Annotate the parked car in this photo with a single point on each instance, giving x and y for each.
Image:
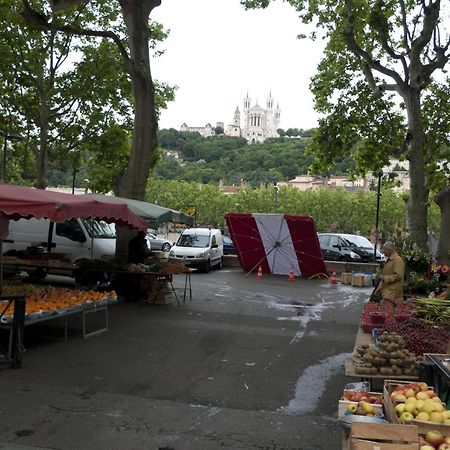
(228, 246)
(347, 247)
(200, 248)
(156, 243)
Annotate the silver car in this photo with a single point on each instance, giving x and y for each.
(158, 244)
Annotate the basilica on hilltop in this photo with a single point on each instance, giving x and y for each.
(255, 124)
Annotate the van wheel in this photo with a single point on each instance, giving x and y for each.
(219, 264)
(37, 275)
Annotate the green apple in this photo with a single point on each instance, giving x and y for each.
(423, 416)
(405, 417)
(422, 395)
(352, 408)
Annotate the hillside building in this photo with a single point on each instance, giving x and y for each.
(258, 123)
(206, 131)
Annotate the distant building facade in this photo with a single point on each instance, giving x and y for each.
(258, 123)
(206, 131)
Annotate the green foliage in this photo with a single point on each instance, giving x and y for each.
(107, 158)
(232, 160)
(332, 210)
(64, 91)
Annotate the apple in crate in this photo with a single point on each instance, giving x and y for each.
(444, 446)
(406, 417)
(434, 437)
(352, 408)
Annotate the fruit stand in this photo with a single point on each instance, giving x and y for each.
(48, 303)
(151, 282)
(404, 346)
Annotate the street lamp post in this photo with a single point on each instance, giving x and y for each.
(8, 137)
(380, 174)
(275, 197)
(73, 180)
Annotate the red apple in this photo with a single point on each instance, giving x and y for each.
(444, 446)
(414, 386)
(447, 439)
(434, 437)
(423, 441)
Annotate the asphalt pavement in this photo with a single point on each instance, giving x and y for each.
(245, 364)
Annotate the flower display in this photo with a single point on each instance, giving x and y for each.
(417, 260)
(440, 269)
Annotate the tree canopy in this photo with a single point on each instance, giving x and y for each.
(376, 48)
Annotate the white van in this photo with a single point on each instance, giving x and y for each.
(80, 238)
(201, 248)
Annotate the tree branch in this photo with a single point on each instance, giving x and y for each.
(431, 18)
(406, 34)
(41, 21)
(371, 64)
(439, 63)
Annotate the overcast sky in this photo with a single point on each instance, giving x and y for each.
(217, 51)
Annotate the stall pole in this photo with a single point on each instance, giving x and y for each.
(18, 331)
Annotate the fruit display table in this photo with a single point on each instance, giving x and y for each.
(47, 303)
(367, 340)
(137, 282)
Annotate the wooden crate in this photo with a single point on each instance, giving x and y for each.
(377, 436)
(391, 416)
(346, 278)
(358, 280)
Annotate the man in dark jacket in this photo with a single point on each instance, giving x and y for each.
(138, 249)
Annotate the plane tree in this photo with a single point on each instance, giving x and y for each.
(375, 48)
(133, 39)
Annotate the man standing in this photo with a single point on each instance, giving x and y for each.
(391, 285)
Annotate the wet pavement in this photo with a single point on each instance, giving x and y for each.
(245, 364)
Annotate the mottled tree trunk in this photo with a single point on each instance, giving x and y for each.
(136, 16)
(417, 202)
(443, 251)
(42, 150)
(134, 182)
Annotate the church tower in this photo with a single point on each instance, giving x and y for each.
(247, 101)
(237, 118)
(234, 129)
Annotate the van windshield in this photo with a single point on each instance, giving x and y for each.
(357, 241)
(193, 240)
(98, 229)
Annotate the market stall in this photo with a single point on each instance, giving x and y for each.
(154, 214)
(405, 347)
(18, 202)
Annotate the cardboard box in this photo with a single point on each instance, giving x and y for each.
(374, 436)
(346, 278)
(358, 280)
(343, 404)
(391, 416)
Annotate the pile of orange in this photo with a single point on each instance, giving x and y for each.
(59, 298)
